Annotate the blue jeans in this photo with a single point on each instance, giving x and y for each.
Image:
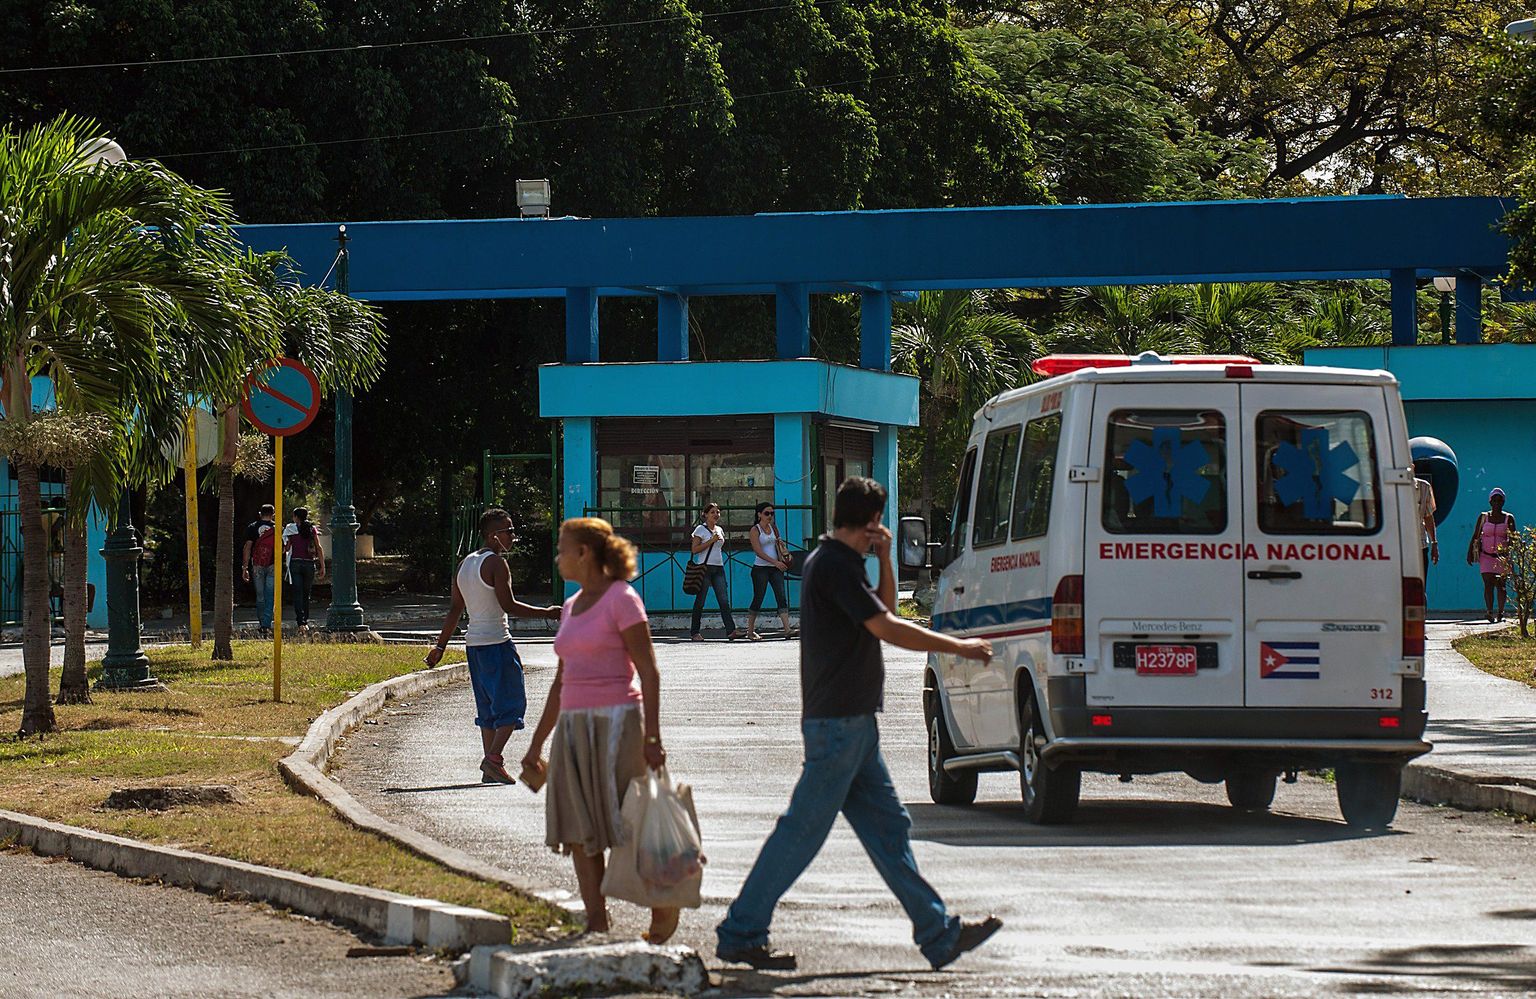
(714, 577)
(261, 579)
(302, 572)
(845, 772)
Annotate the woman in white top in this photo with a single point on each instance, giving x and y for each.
(767, 570)
(707, 547)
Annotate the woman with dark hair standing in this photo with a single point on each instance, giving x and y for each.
(602, 717)
(1489, 549)
(767, 570)
(707, 547)
(306, 562)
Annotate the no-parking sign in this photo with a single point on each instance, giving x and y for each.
(282, 398)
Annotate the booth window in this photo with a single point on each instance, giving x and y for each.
(654, 475)
(845, 451)
(1317, 473)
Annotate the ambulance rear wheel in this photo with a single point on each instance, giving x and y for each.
(1251, 790)
(1050, 794)
(945, 787)
(1368, 793)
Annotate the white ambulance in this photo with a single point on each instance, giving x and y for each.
(1194, 564)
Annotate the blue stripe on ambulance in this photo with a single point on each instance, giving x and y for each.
(994, 615)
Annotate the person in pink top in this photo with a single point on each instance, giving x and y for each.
(602, 718)
(1488, 550)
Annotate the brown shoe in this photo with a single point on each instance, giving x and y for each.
(972, 935)
(492, 772)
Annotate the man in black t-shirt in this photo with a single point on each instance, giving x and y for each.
(842, 685)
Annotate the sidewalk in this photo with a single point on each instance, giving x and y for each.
(1483, 727)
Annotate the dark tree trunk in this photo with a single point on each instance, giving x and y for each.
(36, 630)
(73, 688)
(224, 547)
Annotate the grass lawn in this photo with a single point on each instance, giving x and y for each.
(216, 724)
(1502, 655)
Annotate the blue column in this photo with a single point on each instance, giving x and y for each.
(1469, 308)
(1405, 312)
(671, 327)
(875, 330)
(578, 460)
(580, 325)
(792, 474)
(96, 567)
(885, 472)
(792, 317)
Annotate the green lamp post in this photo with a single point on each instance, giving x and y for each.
(125, 666)
(345, 613)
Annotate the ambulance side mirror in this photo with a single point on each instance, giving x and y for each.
(912, 543)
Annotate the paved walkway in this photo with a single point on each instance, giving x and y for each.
(1478, 722)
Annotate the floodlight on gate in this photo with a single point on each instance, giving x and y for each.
(533, 198)
(1445, 284)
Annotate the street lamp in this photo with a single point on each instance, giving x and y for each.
(533, 199)
(125, 666)
(1445, 286)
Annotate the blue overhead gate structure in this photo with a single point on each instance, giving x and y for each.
(780, 414)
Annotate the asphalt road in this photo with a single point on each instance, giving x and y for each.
(1158, 889)
(77, 932)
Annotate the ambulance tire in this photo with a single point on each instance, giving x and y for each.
(1368, 793)
(945, 787)
(1251, 790)
(1049, 794)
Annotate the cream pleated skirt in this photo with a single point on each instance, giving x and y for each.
(593, 755)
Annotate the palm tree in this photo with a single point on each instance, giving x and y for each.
(1125, 320)
(964, 352)
(339, 338)
(93, 267)
(1340, 317)
(1248, 319)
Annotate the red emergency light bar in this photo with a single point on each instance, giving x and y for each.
(1063, 364)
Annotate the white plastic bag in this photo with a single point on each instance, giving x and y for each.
(621, 878)
(668, 852)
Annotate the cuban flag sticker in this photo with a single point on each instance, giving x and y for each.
(1290, 660)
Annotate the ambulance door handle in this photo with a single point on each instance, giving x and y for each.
(1273, 574)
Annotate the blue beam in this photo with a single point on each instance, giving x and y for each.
(1030, 246)
(792, 318)
(1469, 308)
(671, 327)
(1405, 308)
(580, 325)
(875, 330)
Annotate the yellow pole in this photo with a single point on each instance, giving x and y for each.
(194, 568)
(277, 576)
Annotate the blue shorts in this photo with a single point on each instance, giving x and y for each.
(496, 673)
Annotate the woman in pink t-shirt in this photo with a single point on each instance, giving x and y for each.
(601, 718)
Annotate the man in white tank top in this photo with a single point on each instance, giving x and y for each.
(482, 586)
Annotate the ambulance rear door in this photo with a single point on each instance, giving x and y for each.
(1163, 571)
(1324, 596)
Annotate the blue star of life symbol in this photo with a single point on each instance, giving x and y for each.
(1166, 471)
(1314, 474)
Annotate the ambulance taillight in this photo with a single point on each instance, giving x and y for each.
(1413, 617)
(1067, 617)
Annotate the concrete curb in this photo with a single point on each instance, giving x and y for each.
(511, 974)
(399, 919)
(1472, 791)
(304, 770)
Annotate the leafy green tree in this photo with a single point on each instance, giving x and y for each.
(1509, 113)
(94, 270)
(1125, 320)
(1104, 129)
(964, 352)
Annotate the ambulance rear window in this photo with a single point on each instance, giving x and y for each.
(1317, 473)
(1166, 472)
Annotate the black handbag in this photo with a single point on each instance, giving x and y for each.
(693, 572)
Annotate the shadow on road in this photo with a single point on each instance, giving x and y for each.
(1490, 735)
(1505, 966)
(1125, 823)
(744, 982)
(439, 787)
